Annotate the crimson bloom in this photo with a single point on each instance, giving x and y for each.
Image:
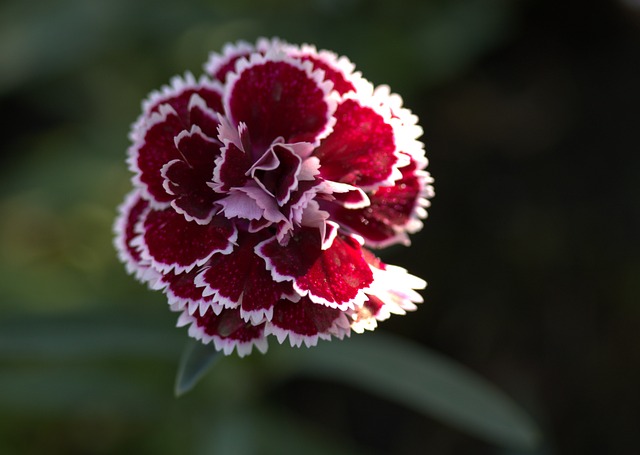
(260, 189)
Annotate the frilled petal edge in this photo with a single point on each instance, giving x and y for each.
(169, 242)
(336, 277)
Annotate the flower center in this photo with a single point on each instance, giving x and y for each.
(277, 172)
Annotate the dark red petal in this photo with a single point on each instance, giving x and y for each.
(339, 274)
(334, 277)
(365, 223)
(228, 65)
(219, 65)
(354, 198)
(340, 83)
(188, 177)
(279, 174)
(231, 169)
(304, 187)
(360, 150)
(229, 325)
(242, 276)
(130, 213)
(278, 98)
(391, 208)
(181, 287)
(156, 149)
(395, 204)
(258, 225)
(171, 242)
(287, 173)
(304, 317)
(227, 330)
(204, 116)
(185, 103)
(194, 198)
(179, 98)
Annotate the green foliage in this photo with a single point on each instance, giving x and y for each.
(420, 379)
(399, 371)
(196, 359)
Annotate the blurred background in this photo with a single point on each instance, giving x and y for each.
(531, 116)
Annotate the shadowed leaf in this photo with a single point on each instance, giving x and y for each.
(420, 379)
(196, 360)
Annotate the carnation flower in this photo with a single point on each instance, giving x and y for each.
(260, 190)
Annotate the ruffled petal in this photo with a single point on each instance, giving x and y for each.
(306, 322)
(405, 123)
(172, 243)
(231, 169)
(277, 96)
(361, 150)
(130, 213)
(178, 94)
(227, 331)
(187, 178)
(338, 70)
(393, 291)
(336, 277)
(220, 64)
(186, 102)
(393, 212)
(240, 280)
(203, 116)
(153, 151)
(348, 196)
(277, 172)
(183, 294)
(366, 316)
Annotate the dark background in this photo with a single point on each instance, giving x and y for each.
(530, 111)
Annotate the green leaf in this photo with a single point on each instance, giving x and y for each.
(420, 379)
(196, 360)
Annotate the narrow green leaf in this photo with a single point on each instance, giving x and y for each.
(196, 360)
(420, 379)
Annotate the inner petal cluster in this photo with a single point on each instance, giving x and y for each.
(260, 189)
